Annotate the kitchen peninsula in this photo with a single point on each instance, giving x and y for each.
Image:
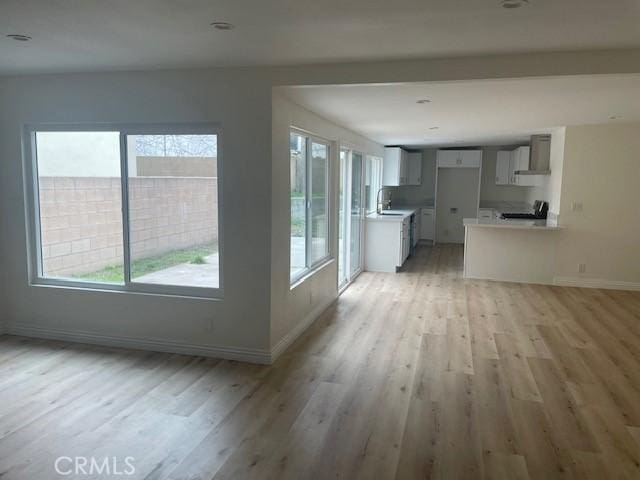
(510, 250)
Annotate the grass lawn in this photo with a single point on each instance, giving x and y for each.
(143, 266)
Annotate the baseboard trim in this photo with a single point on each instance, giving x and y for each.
(286, 341)
(156, 345)
(508, 280)
(595, 283)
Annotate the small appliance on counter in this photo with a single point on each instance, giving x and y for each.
(540, 210)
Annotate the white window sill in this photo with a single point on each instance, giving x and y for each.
(195, 293)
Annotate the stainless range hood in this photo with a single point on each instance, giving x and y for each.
(540, 156)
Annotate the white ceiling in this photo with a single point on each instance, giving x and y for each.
(480, 112)
(83, 35)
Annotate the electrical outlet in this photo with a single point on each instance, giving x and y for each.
(582, 267)
(576, 206)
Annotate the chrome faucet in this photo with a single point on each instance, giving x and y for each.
(382, 205)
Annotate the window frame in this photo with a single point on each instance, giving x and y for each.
(319, 263)
(33, 217)
(378, 159)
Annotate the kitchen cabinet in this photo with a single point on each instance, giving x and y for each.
(519, 161)
(401, 167)
(508, 163)
(459, 158)
(395, 167)
(414, 168)
(405, 241)
(388, 242)
(503, 171)
(427, 223)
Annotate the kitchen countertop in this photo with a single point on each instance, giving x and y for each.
(400, 215)
(516, 224)
(401, 211)
(508, 207)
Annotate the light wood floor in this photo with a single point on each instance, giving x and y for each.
(414, 375)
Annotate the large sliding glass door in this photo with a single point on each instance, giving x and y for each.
(356, 218)
(351, 216)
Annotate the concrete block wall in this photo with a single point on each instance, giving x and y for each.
(168, 213)
(81, 224)
(176, 166)
(81, 219)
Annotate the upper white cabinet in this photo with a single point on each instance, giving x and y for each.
(394, 167)
(401, 167)
(459, 158)
(509, 163)
(519, 161)
(414, 175)
(503, 170)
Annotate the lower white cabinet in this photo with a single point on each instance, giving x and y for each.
(427, 223)
(405, 241)
(388, 243)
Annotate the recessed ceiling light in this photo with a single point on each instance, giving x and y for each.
(513, 3)
(423, 101)
(222, 26)
(18, 37)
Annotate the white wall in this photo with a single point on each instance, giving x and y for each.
(291, 309)
(241, 104)
(601, 171)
